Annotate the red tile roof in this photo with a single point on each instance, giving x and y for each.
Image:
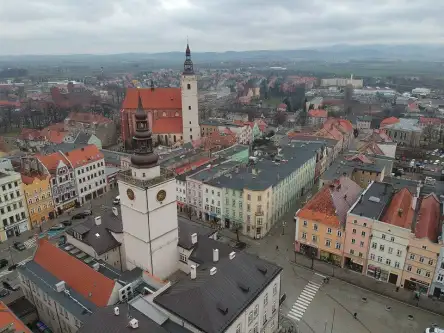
(84, 155)
(330, 205)
(400, 212)
(7, 317)
(51, 161)
(157, 98)
(167, 125)
(54, 136)
(84, 117)
(427, 223)
(432, 121)
(318, 113)
(9, 103)
(190, 166)
(389, 121)
(27, 180)
(91, 284)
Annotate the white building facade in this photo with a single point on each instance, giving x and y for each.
(14, 215)
(89, 172)
(387, 252)
(213, 202)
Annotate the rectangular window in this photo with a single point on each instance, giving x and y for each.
(388, 262)
(374, 245)
(409, 268)
(339, 233)
(305, 223)
(396, 264)
(363, 233)
(354, 231)
(353, 241)
(431, 262)
(381, 247)
(412, 256)
(398, 253)
(327, 242)
(372, 256)
(315, 227)
(361, 244)
(314, 238)
(338, 246)
(304, 235)
(421, 259)
(328, 230)
(390, 250)
(383, 236)
(379, 259)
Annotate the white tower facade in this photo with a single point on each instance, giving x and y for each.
(190, 106)
(148, 206)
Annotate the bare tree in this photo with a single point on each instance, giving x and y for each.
(428, 134)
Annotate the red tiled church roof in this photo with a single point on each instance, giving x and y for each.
(157, 98)
(167, 125)
(84, 155)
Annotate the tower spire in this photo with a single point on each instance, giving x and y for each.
(143, 153)
(188, 64)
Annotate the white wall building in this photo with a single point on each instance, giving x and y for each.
(13, 212)
(387, 252)
(190, 107)
(88, 164)
(148, 205)
(213, 202)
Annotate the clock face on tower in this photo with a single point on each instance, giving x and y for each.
(161, 195)
(130, 194)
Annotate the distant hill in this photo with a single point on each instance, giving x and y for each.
(335, 53)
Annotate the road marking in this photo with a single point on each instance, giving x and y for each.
(322, 276)
(30, 243)
(303, 302)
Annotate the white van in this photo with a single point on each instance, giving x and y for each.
(117, 200)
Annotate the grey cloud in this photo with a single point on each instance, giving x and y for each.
(118, 26)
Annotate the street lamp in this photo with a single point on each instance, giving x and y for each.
(283, 227)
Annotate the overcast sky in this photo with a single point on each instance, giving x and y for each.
(120, 26)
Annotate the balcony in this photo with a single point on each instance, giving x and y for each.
(127, 177)
(259, 213)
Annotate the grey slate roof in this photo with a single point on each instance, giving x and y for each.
(203, 250)
(269, 172)
(200, 301)
(105, 241)
(46, 281)
(105, 321)
(82, 138)
(399, 183)
(187, 228)
(63, 147)
(369, 207)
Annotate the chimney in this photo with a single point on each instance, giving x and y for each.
(115, 211)
(213, 271)
(60, 286)
(134, 323)
(98, 220)
(232, 255)
(194, 238)
(116, 311)
(193, 272)
(215, 255)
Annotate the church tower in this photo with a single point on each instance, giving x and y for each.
(148, 205)
(190, 108)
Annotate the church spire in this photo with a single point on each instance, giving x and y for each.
(144, 156)
(188, 64)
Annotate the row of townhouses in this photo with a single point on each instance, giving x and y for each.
(251, 194)
(47, 185)
(142, 268)
(392, 235)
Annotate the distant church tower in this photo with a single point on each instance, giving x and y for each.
(148, 206)
(190, 108)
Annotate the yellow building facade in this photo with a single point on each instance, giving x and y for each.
(38, 196)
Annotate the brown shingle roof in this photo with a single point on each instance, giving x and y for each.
(427, 223)
(400, 212)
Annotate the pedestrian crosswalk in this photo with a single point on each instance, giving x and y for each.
(30, 243)
(304, 300)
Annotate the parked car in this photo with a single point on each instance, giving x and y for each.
(19, 246)
(67, 223)
(78, 216)
(12, 285)
(3, 263)
(117, 200)
(57, 227)
(12, 267)
(87, 212)
(4, 292)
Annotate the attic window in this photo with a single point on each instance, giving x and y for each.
(243, 287)
(374, 199)
(222, 308)
(262, 269)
